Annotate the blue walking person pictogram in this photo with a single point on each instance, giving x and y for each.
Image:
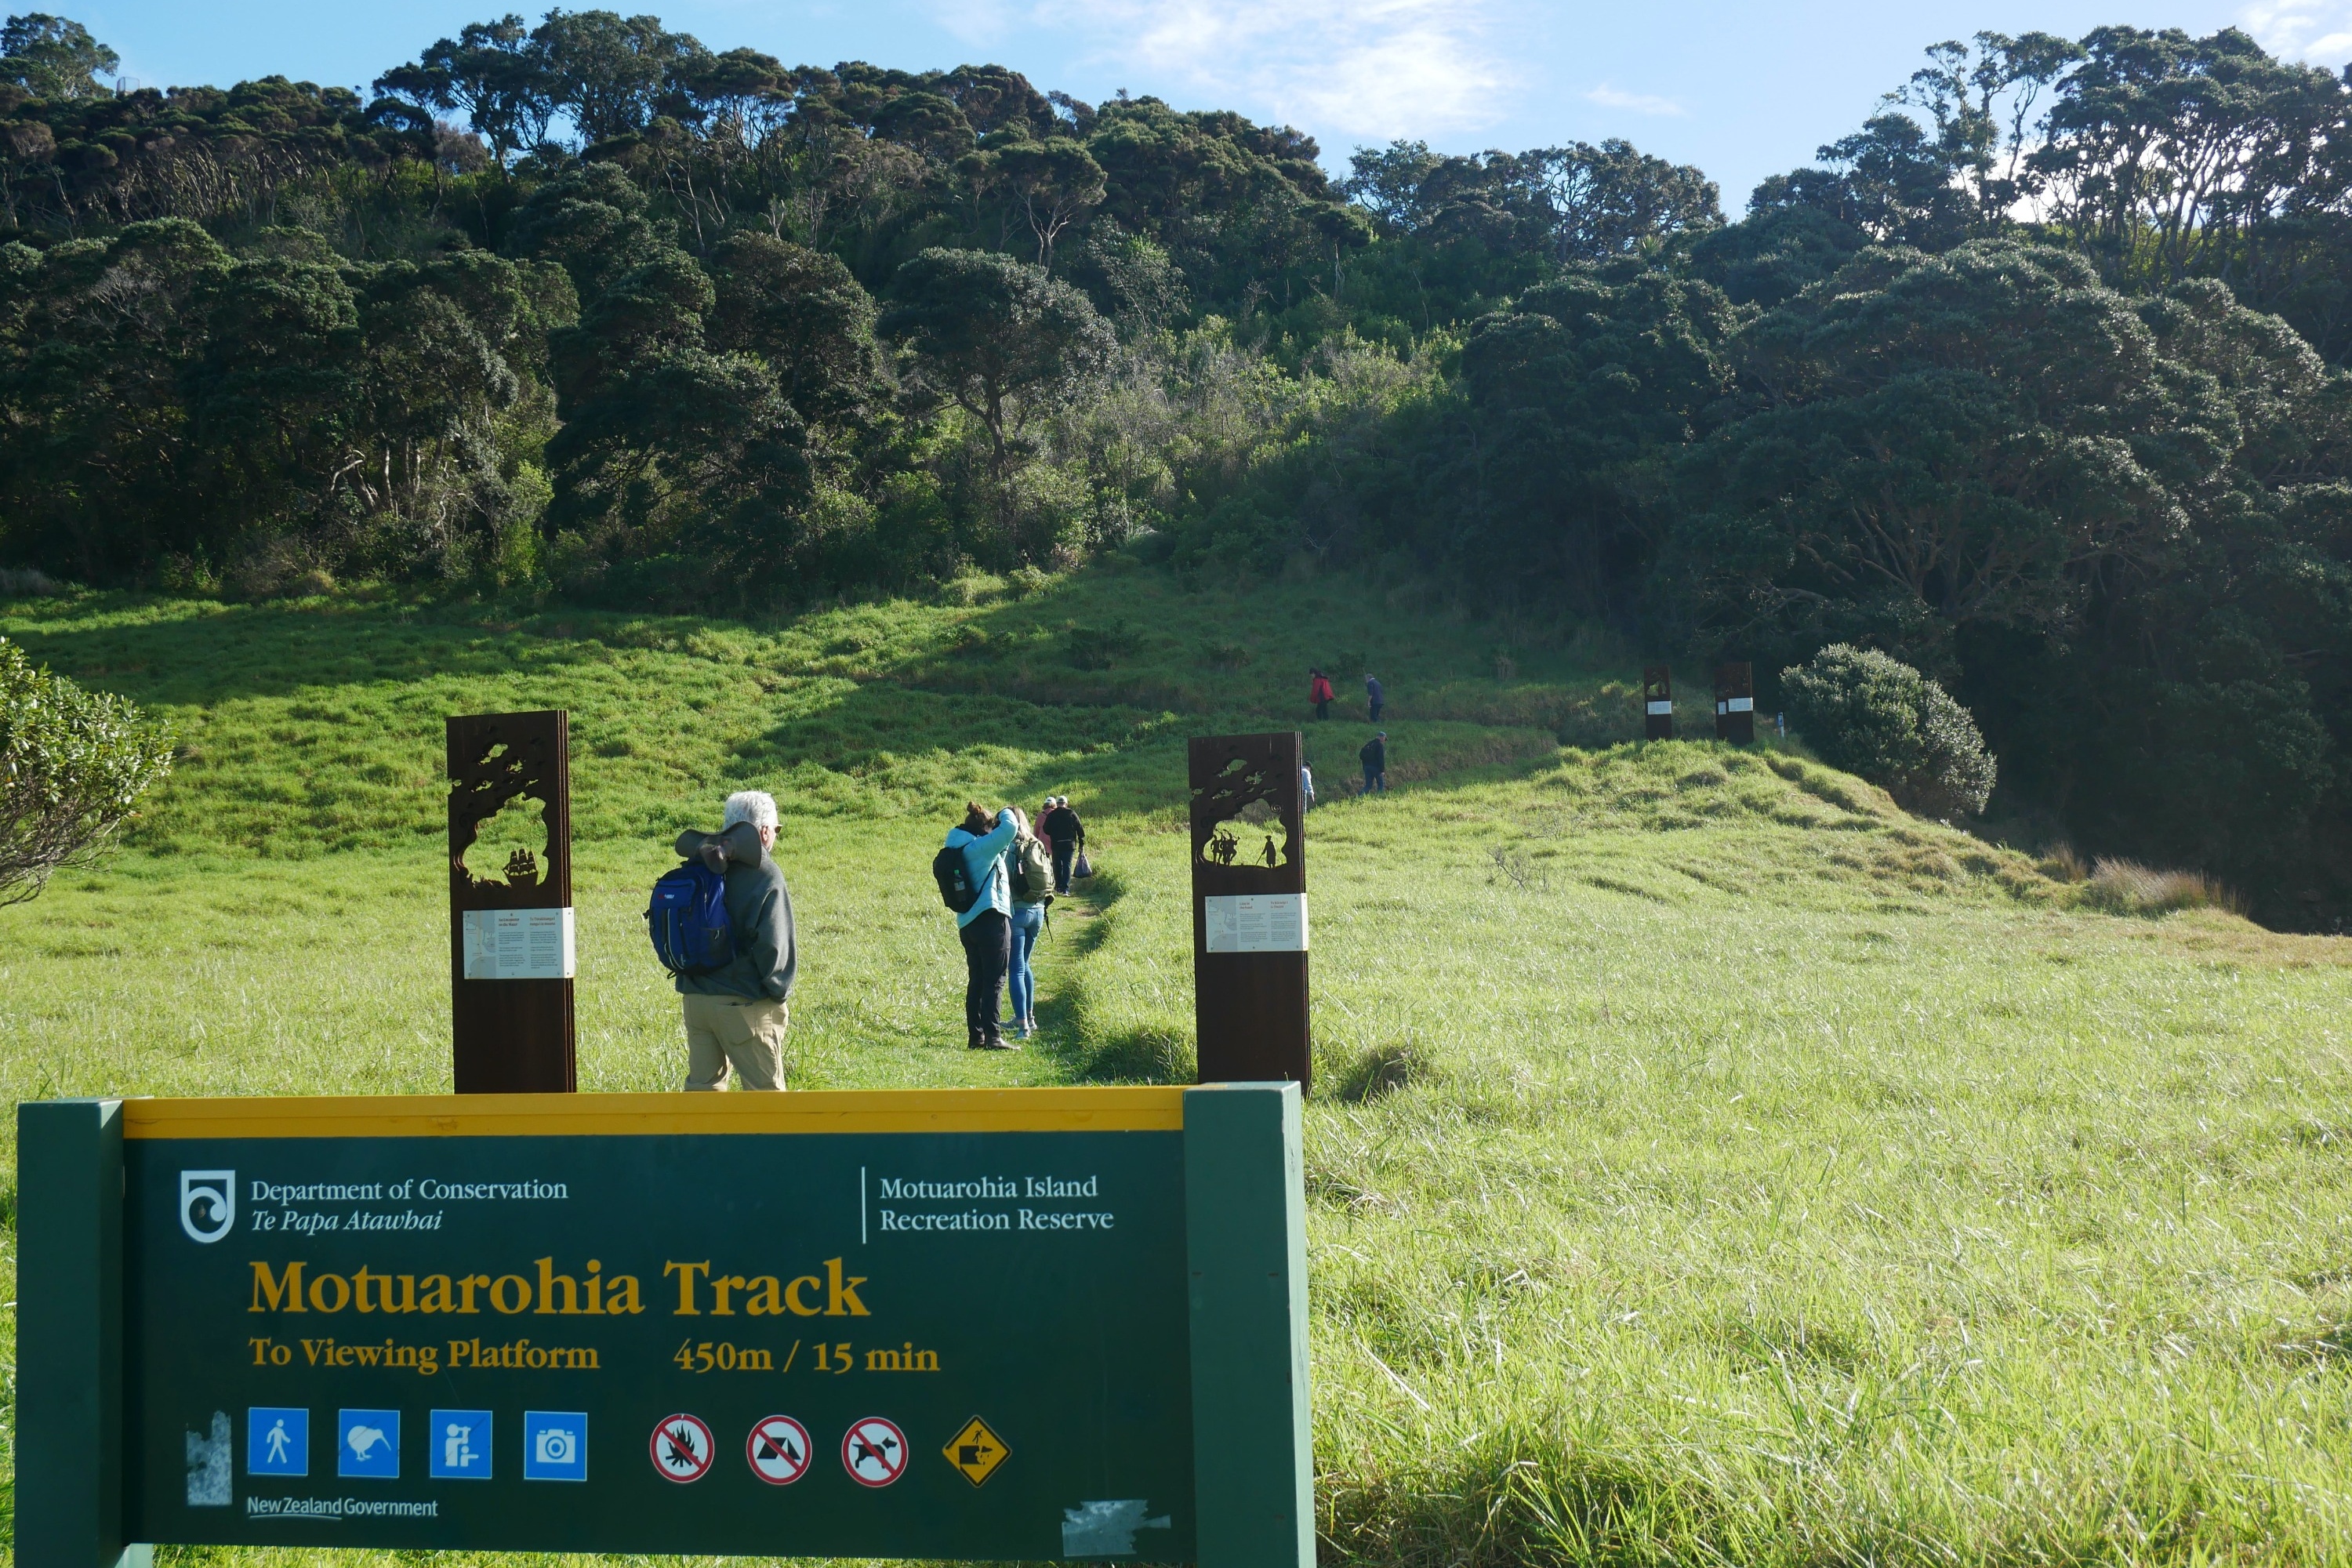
(277, 1441)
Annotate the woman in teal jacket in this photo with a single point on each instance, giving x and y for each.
(986, 927)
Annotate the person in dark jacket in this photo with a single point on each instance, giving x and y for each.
(1067, 835)
(1374, 698)
(986, 928)
(1319, 692)
(1375, 756)
(737, 1016)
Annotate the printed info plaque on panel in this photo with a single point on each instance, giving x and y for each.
(1257, 922)
(891, 1334)
(519, 944)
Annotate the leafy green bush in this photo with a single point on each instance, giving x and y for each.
(72, 763)
(1878, 717)
(1099, 648)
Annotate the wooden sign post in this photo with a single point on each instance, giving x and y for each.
(510, 934)
(1658, 702)
(1249, 909)
(1734, 703)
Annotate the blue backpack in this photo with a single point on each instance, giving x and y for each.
(688, 920)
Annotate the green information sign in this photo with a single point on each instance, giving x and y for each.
(1045, 1324)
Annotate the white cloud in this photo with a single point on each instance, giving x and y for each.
(981, 22)
(2318, 31)
(1607, 97)
(1373, 68)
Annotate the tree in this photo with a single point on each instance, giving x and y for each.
(995, 335)
(1613, 199)
(493, 74)
(1566, 395)
(800, 312)
(1966, 439)
(1056, 182)
(1888, 180)
(52, 57)
(730, 95)
(2165, 152)
(1577, 203)
(1386, 183)
(73, 763)
(678, 472)
(1981, 100)
(609, 71)
(97, 472)
(2122, 529)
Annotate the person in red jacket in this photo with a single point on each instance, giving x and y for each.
(1319, 692)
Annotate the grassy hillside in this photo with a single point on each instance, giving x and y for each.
(1709, 1163)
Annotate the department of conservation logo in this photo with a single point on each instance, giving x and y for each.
(207, 1204)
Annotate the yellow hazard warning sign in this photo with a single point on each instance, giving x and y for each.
(975, 1451)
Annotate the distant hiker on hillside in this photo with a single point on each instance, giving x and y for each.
(1067, 835)
(737, 1014)
(1374, 698)
(1319, 692)
(1032, 866)
(1376, 763)
(976, 883)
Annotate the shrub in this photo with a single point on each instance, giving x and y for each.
(72, 763)
(28, 583)
(1099, 648)
(2128, 887)
(1878, 717)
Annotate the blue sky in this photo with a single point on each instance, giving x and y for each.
(1742, 89)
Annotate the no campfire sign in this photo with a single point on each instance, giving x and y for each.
(1048, 1323)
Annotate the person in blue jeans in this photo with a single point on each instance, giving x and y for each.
(1030, 868)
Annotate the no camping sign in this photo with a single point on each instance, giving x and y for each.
(973, 1324)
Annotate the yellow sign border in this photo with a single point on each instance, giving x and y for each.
(1148, 1108)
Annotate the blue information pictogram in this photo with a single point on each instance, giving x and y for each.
(367, 1444)
(277, 1441)
(554, 1446)
(457, 1446)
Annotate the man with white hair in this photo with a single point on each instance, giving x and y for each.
(736, 1015)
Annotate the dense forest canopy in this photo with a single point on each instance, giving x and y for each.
(2035, 380)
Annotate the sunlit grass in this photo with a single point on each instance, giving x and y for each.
(1709, 1163)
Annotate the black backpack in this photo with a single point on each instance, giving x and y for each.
(954, 879)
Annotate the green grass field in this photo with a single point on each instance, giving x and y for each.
(1708, 1163)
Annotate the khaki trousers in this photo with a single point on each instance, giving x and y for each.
(724, 1029)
